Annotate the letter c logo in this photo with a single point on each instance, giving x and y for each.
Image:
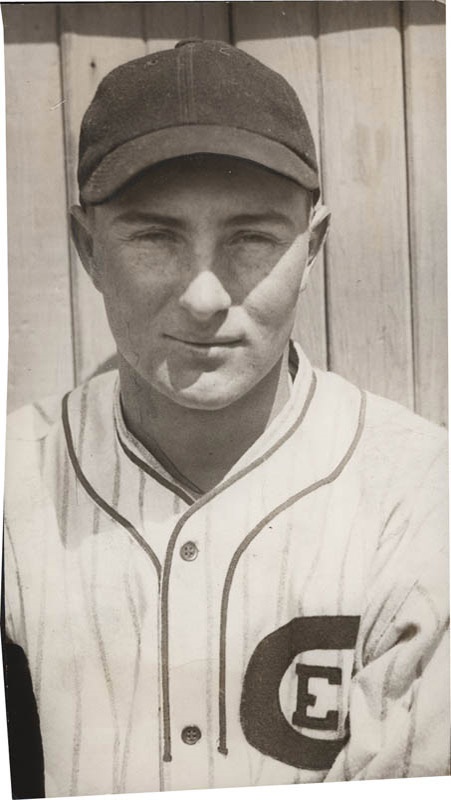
(263, 722)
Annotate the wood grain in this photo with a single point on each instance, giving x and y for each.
(425, 69)
(40, 343)
(95, 37)
(386, 318)
(364, 175)
(283, 36)
(168, 23)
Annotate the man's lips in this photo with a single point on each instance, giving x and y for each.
(228, 341)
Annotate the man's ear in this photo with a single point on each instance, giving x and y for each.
(318, 230)
(81, 230)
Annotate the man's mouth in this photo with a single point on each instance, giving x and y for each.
(206, 343)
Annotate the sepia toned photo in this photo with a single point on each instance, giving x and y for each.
(225, 550)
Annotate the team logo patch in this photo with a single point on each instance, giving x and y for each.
(271, 723)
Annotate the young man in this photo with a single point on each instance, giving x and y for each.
(224, 567)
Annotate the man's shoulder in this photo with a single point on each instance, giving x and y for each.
(391, 434)
(381, 413)
(33, 422)
(394, 418)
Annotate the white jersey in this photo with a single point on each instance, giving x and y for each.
(287, 626)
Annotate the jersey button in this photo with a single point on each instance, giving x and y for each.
(191, 734)
(189, 551)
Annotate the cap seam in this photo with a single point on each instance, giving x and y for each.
(190, 84)
(180, 88)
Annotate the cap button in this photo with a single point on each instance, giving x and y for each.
(183, 42)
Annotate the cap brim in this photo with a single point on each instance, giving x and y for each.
(137, 155)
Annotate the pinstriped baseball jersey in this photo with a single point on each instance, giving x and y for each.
(287, 626)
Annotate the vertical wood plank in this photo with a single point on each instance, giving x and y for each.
(364, 173)
(168, 23)
(283, 36)
(425, 69)
(40, 346)
(95, 37)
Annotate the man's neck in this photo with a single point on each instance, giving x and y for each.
(202, 445)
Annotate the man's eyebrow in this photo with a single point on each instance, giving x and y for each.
(265, 216)
(145, 218)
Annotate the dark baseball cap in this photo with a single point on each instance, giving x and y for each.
(199, 97)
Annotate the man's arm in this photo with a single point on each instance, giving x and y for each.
(399, 700)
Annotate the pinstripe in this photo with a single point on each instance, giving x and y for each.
(102, 651)
(41, 629)
(137, 629)
(99, 501)
(382, 537)
(407, 760)
(42, 413)
(171, 546)
(142, 485)
(384, 695)
(19, 585)
(341, 581)
(312, 571)
(117, 478)
(283, 574)
(394, 611)
(64, 494)
(209, 571)
(77, 733)
(83, 418)
(346, 766)
(41, 445)
(246, 597)
(43, 598)
(246, 616)
(333, 475)
(431, 605)
(340, 658)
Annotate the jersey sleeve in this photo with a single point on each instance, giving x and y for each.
(12, 618)
(26, 432)
(399, 712)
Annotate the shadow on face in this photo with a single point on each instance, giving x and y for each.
(200, 261)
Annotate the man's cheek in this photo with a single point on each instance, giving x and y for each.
(273, 302)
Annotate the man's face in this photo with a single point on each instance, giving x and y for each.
(200, 263)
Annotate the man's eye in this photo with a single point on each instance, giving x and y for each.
(254, 237)
(155, 235)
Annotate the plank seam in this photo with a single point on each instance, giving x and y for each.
(70, 265)
(412, 288)
(230, 22)
(321, 128)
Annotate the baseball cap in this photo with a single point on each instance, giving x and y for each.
(201, 96)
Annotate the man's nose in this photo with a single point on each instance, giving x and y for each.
(205, 296)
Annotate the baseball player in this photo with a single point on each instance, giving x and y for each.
(222, 566)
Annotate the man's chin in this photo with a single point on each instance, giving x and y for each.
(206, 395)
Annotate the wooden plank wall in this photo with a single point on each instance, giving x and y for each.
(371, 76)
